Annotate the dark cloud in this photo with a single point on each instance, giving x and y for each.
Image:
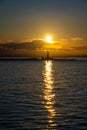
(38, 48)
(20, 49)
(24, 45)
(80, 47)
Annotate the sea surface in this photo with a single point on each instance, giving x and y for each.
(43, 95)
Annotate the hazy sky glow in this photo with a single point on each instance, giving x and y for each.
(26, 20)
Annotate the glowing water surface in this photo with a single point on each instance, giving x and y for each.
(43, 95)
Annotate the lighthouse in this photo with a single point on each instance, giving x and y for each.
(47, 55)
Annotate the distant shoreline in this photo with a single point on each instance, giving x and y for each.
(40, 59)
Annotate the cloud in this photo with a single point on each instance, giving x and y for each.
(23, 45)
(70, 40)
(77, 39)
(37, 47)
(80, 47)
(64, 40)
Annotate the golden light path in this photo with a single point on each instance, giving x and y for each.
(49, 95)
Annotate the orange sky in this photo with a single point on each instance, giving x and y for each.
(28, 21)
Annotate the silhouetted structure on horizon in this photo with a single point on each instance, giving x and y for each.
(47, 56)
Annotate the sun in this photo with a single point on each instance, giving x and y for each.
(49, 39)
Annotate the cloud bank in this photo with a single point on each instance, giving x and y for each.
(38, 48)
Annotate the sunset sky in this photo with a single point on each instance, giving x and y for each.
(27, 23)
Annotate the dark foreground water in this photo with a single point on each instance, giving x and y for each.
(43, 95)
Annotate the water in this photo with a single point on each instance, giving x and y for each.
(43, 95)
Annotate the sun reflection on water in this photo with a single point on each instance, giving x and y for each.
(49, 94)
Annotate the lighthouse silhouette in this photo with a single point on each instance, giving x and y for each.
(48, 56)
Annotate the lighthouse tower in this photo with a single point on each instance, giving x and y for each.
(47, 54)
